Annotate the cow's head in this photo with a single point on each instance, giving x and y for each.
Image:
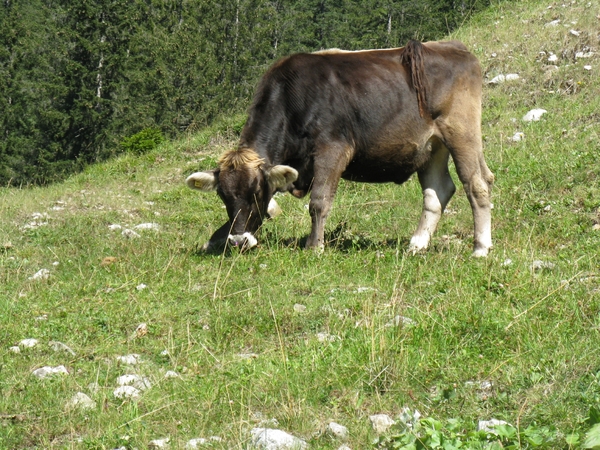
(246, 185)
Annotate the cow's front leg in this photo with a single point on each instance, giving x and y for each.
(218, 240)
(328, 169)
(438, 189)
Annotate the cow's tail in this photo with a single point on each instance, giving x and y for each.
(412, 58)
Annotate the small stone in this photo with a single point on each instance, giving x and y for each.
(131, 360)
(141, 330)
(337, 430)
(60, 347)
(584, 54)
(114, 227)
(587, 67)
(538, 265)
(381, 422)
(47, 371)
(489, 425)
(400, 320)
(574, 32)
(534, 115)
(159, 443)
(141, 287)
(81, 401)
(137, 381)
(518, 136)
(270, 439)
(108, 260)
(126, 392)
(171, 374)
(147, 226)
(299, 308)
(507, 262)
(40, 275)
(326, 337)
(14, 349)
(344, 447)
(28, 343)
(193, 444)
(553, 23)
(552, 58)
(129, 234)
(596, 227)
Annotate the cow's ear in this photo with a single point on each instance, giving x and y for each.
(280, 177)
(202, 181)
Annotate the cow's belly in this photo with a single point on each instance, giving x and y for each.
(388, 165)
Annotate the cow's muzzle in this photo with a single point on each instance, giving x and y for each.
(245, 240)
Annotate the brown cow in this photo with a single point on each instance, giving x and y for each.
(372, 116)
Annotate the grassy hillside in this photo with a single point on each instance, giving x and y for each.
(305, 338)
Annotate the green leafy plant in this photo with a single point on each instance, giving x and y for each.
(143, 142)
(430, 433)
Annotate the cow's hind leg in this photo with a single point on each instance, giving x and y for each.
(477, 179)
(328, 169)
(438, 189)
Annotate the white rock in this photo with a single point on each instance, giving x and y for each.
(15, 349)
(574, 32)
(193, 444)
(60, 347)
(137, 381)
(125, 392)
(344, 447)
(400, 320)
(299, 308)
(502, 78)
(326, 337)
(538, 265)
(40, 275)
(159, 443)
(47, 371)
(587, 67)
(337, 430)
(534, 115)
(129, 234)
(489, 425)
(553, 23)
(129, 359)
(518, 136)
(497, 79)
(141, 287)
(584, 54)
(114, 227)
(28, 343)
(507, 262)
(171, 374)
(381, 422)
(147, 226)
(552, 58)
(270, 439)
(81, 401)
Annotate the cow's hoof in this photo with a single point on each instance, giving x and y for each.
(418, 243)
(481, 252)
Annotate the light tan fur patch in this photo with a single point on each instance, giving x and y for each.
(238, 158)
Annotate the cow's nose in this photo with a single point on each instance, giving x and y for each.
(242, 240)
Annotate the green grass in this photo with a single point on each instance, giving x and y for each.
(533, 334)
